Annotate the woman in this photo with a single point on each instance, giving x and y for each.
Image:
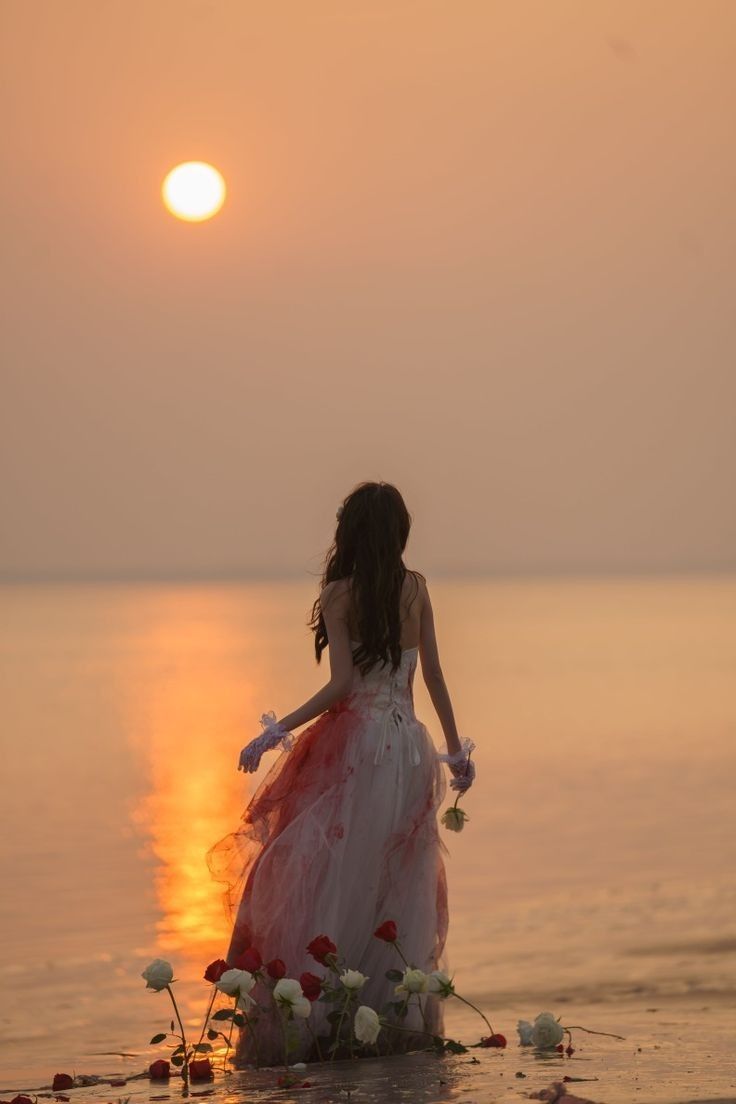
(342, 833)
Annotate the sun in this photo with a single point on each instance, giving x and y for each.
(193, 191)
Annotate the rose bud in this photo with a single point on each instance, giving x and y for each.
(159, 1069)
(569, 1049)
(495, 1040)
(21, 1099)
(276, 968)
(215, 970)
(320, 948)
(62, 1081)
(311, 985)
(249, 960)
(387, 931)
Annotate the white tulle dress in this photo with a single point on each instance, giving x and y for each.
(340, 836)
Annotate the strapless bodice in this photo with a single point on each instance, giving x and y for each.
(386, 696)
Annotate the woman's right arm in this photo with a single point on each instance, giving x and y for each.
(432, 674)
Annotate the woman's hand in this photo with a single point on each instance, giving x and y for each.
(461, 767)
(273, 734)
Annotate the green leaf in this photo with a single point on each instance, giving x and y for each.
(239, 1019)
(394, 975)
(203, 1048)
(334, 1017)
(212, 1034)
(223, 1014)
(158, 1038)
(177, 1060)
(454, 1047)
(178, 1050)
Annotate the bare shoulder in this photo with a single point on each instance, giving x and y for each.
(416, 584)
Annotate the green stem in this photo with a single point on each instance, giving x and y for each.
(591, 1032)
(403, 956)
(207, 1016)
(185, 1067)
(282, 1020)
(470, 1005)
(230, 1036)
(315, 1040)
(339, 1026)
(249, 1025)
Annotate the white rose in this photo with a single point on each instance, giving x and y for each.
(439, 983)
(413, 981)
(353, 979)
(301, 1007)
(454, 818)
(366, 1025)
(546, 1032)
(234, 982)
(525, 1032)
(158, 974)
(288, 992)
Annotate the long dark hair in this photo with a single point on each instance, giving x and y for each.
(372, 531)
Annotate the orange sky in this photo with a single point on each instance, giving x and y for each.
(484, 250)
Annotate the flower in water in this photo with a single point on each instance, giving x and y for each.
(454, 818)
(320, 947)
(547, 1031)
(159, 1069)
(366, 1024)
(387, 931)
(200, 1069)
(158, 974)
(288, 993)
(413, 981)
(235, 982)
(353, 980)
(525, 1030)
(496, 1040)
(215, 970)
(62, 1081)
(439, 983)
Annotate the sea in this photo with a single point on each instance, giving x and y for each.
(595, 877)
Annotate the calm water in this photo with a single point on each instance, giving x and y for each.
(596, 877)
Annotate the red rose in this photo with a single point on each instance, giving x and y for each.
(215, 970)
(559, 1048)
(62, 1081)
(249, 960)
(311, 986)
(159, 1069)
(21, 1099)
(320, 947)
(200, 1069)
(495, 1040)
(276, 969)
(387, 931)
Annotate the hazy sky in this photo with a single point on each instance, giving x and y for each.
(483, 250)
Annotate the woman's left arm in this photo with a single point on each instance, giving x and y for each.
(334, 603)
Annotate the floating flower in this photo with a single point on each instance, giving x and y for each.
(200, 1069)
(62, 1081)
(159, 1069)
(288, 993)
(249, 960)
(547, 1032)
(387, 931)
(320, 947)
(495, 1040)
(235, 982)
(353, 980)
(454, 818)
(158, 974)
(311, 985)
(413, 981)
(525, 1030)
(366, 1024)
(438, 982)
(276, 969)
(215, 970)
